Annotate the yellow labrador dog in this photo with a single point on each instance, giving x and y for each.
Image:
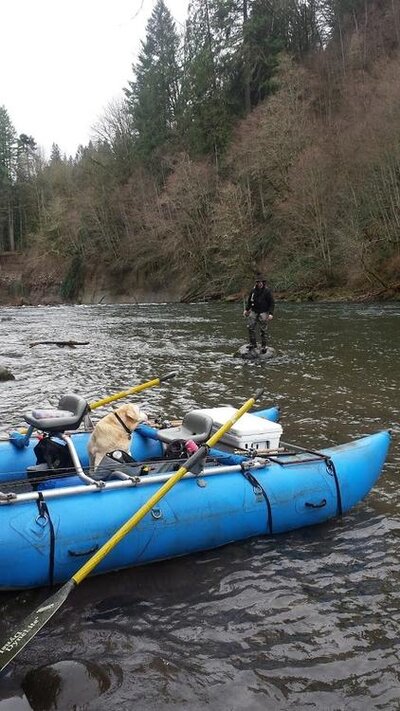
(114, 432)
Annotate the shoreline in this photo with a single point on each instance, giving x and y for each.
(300, 297)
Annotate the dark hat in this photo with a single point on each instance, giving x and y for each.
(260, 277)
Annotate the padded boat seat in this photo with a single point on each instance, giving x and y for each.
(68, 415)
(195, 426)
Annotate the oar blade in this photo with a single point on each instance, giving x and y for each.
(32, 624)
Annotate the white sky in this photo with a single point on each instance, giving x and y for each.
(63, 61)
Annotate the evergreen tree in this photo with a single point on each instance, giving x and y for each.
(153, 95)
(272, 27)
(55, 154)
(25, 158)
(232, 52)
(7, 146)
(207, 116)
(7, 178)
(337, 13)
(25, 195)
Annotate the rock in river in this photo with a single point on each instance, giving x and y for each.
(255, 353)
(6, 374)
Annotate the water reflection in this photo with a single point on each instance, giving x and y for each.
(65, 685)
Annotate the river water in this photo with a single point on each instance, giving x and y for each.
(307, 620)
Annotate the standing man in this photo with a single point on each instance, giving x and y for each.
(259, 310)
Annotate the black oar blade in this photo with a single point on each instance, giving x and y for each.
(32, 624)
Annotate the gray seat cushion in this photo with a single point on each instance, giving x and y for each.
(74, 405)
(195, 426)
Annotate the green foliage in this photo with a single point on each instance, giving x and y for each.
(206, 118)
(7, 148)
(153, 95)
(74, 279)
(7, 178)
(55, 155)
(25, 157)
(17, 289)
(339, 12)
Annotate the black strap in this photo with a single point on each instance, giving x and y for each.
(332, 470)
(316, 455)
(256, 485)
(44, 513)
(122, 423)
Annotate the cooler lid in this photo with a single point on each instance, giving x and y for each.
(247, 425)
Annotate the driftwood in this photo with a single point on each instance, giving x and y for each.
(60, 344)
(387, 293)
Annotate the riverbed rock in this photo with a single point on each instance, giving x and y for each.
(255, 354)
(6, 374)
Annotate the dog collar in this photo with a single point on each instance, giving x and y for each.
(123, 424)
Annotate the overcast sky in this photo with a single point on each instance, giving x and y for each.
(63, 61)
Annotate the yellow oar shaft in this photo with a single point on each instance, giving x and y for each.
(125, 393)
(227, 426)
(87, 568)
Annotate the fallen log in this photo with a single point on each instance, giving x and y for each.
(60, 344)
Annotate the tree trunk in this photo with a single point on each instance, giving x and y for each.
(11, 226)
(246, 62)
(396, 21)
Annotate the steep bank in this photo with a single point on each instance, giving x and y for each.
(36, 280)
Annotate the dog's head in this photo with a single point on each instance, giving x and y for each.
(131, 415)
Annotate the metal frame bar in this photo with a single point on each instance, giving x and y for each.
(76, 461)
(121, 484)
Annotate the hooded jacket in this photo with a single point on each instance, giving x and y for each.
(261, 300)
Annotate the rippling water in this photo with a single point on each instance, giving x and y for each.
(307, 620)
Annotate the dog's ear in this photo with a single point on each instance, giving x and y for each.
(127, 409)
(132, 413)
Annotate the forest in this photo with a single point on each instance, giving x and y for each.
(264, 136)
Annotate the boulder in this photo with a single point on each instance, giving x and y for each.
(255, 353)
(6, 374)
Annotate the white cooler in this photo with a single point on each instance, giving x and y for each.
(249, 432)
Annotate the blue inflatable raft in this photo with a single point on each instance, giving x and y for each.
(14, 461)
(45, 536)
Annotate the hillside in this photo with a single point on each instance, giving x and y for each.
(301, 181)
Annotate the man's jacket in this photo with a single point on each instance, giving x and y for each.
(261, 301)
